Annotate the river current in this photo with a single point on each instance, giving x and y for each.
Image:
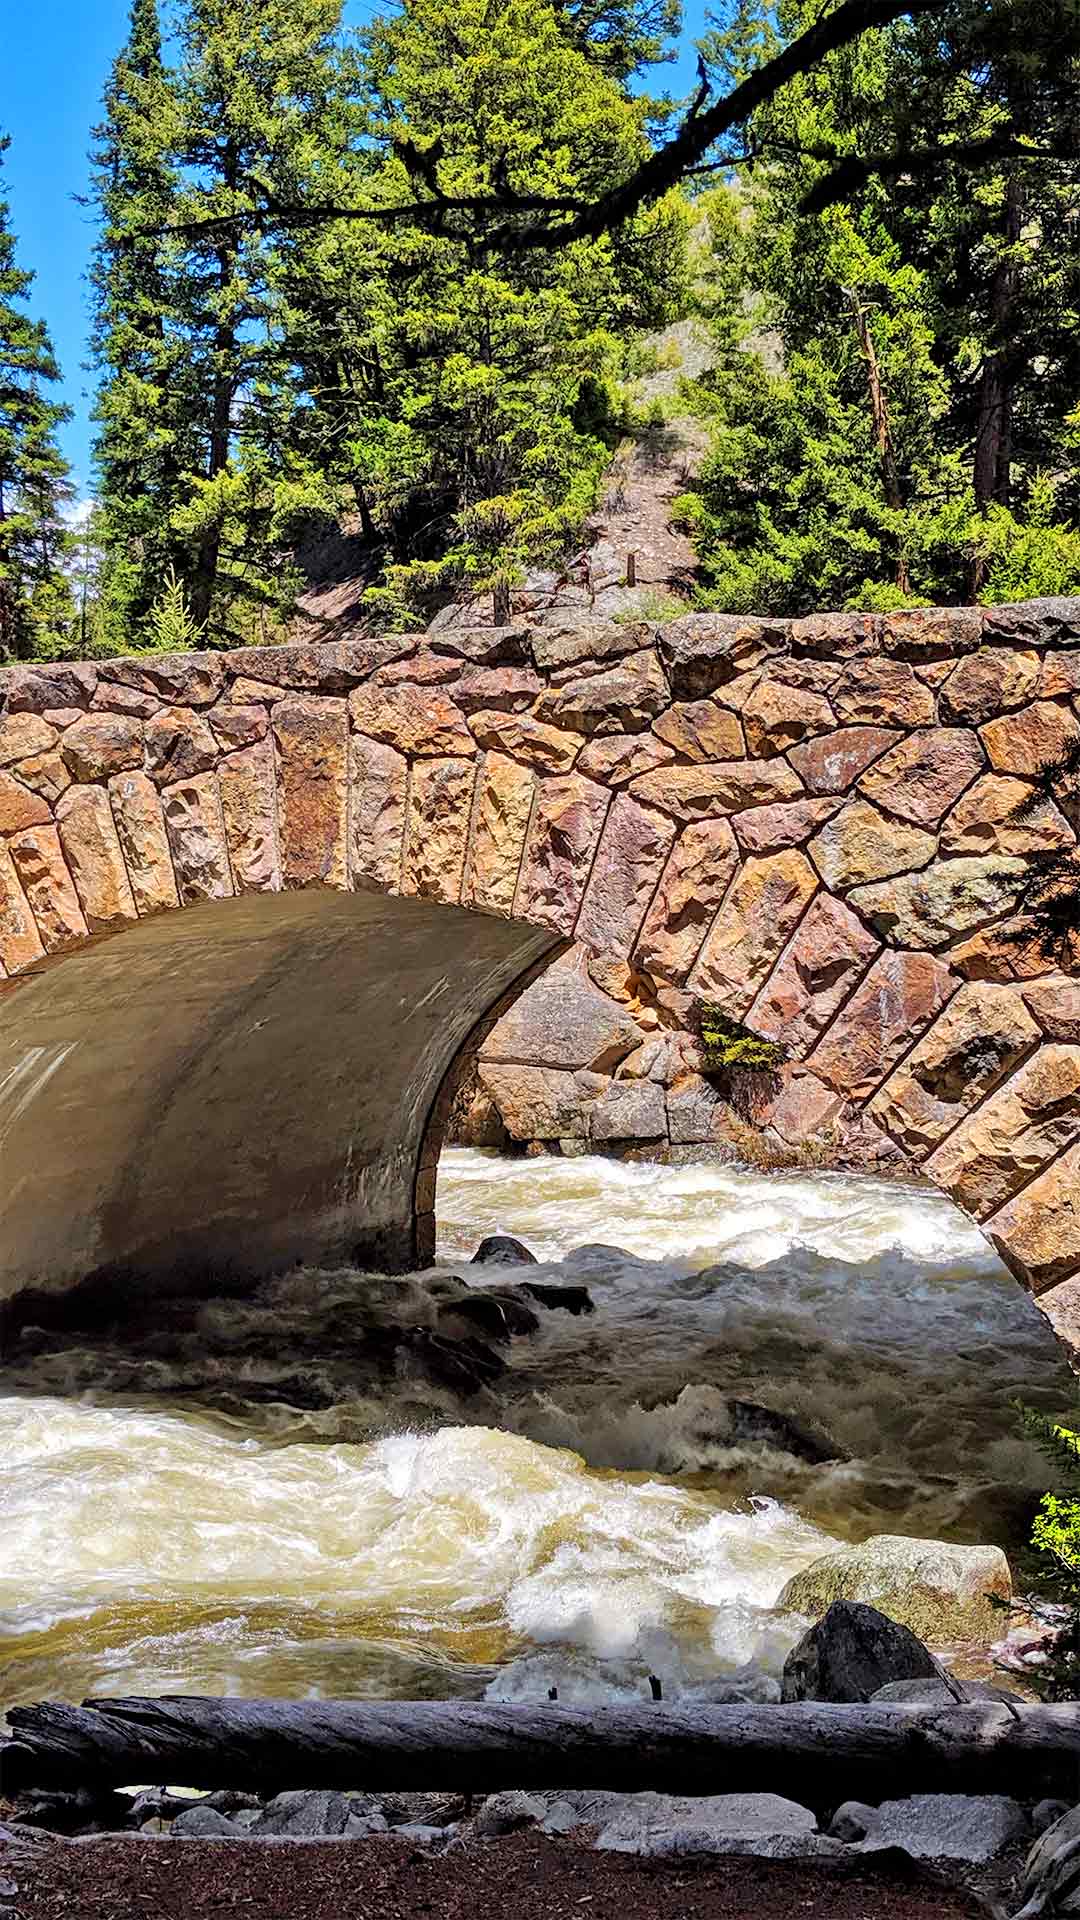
(281, 1495)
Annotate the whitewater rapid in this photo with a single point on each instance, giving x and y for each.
(271, 1496)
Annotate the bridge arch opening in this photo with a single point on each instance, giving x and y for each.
(218, 1094)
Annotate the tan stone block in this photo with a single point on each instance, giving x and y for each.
(701, 730)
(716, 787)
(504, 801)
(806, 1109)
(625, 699)
(1055, 1003)
(927, 633)
(582, 644)
(891, 1007)
(196, 829)
(117, 699)
(988, 682)
(883, 693)
(420, 669)
(704, 651)
(760, 913)
(833, 762)
(46, 775)
(1025, 741)
(92, 851)
(239, 726)
(567, 821)
(828, 956)
(378, 802)
(979, 1038)
(248, 786)
(246, 692)
(790, 824)
(23, 735)
(20, 942)
(329, 666)
(179, 745)
(20, 807)
(440, 808)
(181, 679)
(621, 756)
(498, 689)
(778, 716)
(837, 636)
(860, 845)
(564, 1019)
(1001, 814)
(417, 722)
(692, 886)
(312, 742)
(925, 775)
(633, 848)
(1060, 677)
(536, 1103)
(519, 735)
(1014, 1134)
(140, 826)
(49, 889)
(1038, 1233)
(951, 897)
(63, 683)
(100, 744)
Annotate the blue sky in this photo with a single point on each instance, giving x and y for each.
(56, 57)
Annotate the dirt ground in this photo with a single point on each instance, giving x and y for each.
(524, 1877)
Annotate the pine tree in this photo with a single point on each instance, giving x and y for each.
(260, 110)
(35, 486)
(915, 443)
(485, 379)
(146, 400)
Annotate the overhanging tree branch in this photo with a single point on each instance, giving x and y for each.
(516, 222)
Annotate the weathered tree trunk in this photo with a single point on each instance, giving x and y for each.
(883, 440)
(817, 1754)
(992, 469)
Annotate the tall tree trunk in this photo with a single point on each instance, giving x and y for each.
(883, 440)
(209, 549)
(992, 473)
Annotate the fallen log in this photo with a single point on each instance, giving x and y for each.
(817, 1754)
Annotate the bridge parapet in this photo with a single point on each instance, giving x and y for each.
(814, 824)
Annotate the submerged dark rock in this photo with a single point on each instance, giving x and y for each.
(465, 1366)
(752, 1424)
(852, 1652)
(498, 1316)
(502, 1250)
(559, 1299)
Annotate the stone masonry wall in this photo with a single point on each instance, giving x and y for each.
(812, 823)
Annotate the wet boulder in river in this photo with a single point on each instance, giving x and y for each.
(496, 1315)
(462, 1365)
(939, 1590)
(559, 1299)
(502, 1250)
(851, 1653)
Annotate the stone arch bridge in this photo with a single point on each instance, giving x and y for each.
(377, 843)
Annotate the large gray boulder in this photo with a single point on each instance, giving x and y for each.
(305, 1814)
(949, 1826)
(204, 1823)
(1051, 1883)
(851, 1654)
(941, 1591)
(745, 1823)
(937, 1693)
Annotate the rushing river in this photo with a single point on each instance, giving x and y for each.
(284, 1495)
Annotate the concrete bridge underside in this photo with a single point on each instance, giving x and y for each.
(224, 1092)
